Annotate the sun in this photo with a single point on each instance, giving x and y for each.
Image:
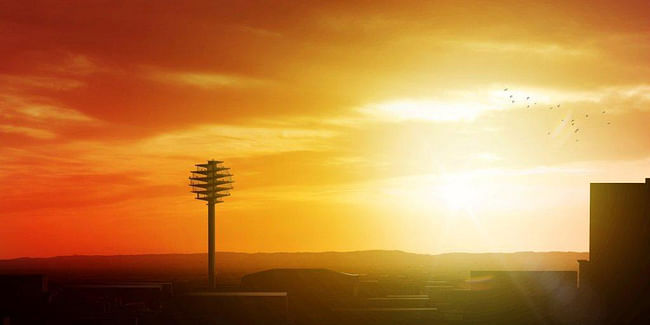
(462, 194)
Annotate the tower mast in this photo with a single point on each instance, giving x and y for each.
(211, 182)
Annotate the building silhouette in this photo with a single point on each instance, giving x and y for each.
(615, 281)
(312, 293)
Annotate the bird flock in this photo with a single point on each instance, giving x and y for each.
(575, 123)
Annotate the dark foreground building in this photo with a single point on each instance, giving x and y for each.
(312, 293)
(519, 297)
(616, 279)
(23, 296)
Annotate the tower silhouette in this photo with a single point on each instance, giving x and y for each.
(211, 182)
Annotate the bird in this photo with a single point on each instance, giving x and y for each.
(505, 89)
(587, 115)
(510, 96)
(527, 106)
(576, 131)
(527, 98)
(603, 112)
(513, 101)
(548, 133)
(608, 123)
(558, 105)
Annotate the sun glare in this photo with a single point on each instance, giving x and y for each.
(463, 194)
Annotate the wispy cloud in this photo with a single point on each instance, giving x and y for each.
(48, 82)
(235, 141)
(166, 151)
(45, 112)
(521, 48)
(36, 118)
(427, 110)
(77, 64)
(259, 31)
(26, 131)
(14, 107)
(465, 105)
(206, 80)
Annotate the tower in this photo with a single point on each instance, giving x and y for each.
(211, 182)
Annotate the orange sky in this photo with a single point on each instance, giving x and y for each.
(373, 125)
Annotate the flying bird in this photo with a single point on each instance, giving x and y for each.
(576, 131)
(527, 98)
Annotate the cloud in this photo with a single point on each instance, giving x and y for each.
(37, 118)
(30, 132)
(260, 31)
(455, 105)
(169, 150)
(19, 82)
(450, 105)
(622, 98)
(548, 49)
(18, 108)
(206, 80)
(50, 112)
(77, 64)
(234, 141)
(427, 110)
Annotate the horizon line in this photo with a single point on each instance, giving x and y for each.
(295, 252)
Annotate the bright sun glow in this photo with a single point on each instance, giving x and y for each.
(462, 194)
(465, 193)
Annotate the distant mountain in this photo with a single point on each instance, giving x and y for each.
(234, 264)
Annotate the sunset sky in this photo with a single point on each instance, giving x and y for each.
(348, 126)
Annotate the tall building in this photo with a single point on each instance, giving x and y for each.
(616, 279)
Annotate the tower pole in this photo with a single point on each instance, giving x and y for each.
(211, 275)
(211, 182)
(211, 202)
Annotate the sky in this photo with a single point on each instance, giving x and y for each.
(347, 125)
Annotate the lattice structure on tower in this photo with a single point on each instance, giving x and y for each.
(211, 181)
